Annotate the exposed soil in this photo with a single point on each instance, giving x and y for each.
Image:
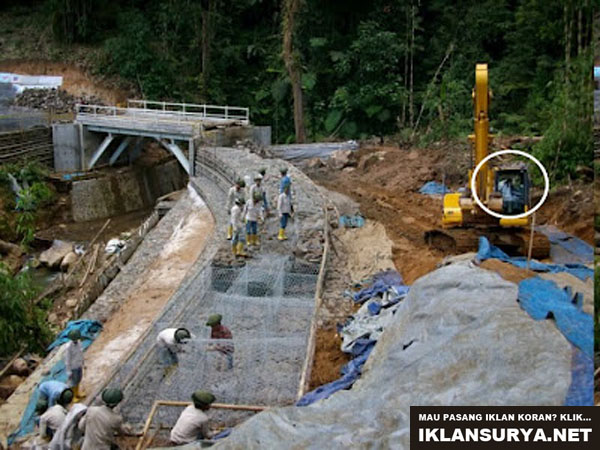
(570, 208)
(507, 271)
(76, 81)
(385, 184)
(329, 359)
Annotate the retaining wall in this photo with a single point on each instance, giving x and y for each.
(27, 145)
(126, 190)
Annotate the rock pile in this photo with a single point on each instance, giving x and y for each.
(56, 100)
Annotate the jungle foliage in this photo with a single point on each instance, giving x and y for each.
(357, 68)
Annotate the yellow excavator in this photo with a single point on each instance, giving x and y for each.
(504, 189)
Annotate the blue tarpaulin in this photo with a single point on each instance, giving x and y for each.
(433, 188)
(543, 299)
(381, 283)
(350, 373)
(567, 248)
(388, 281)
(581, 390)
(487, 251)
(89, 330)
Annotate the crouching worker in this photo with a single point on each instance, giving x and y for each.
(74, 363)
(218, 331)
(192, 424)
(101, 423)
(54, 416)
(237, 224)
(51, 391)
(170, 341)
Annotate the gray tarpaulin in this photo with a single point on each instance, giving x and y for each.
(296, 152)
(459, 338)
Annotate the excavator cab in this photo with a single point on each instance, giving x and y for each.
(513, 187)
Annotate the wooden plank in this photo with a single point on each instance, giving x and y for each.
(310, 352)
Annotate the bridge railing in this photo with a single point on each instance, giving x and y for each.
(237, 113)
(164, 111)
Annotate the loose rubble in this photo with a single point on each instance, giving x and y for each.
(56, 100)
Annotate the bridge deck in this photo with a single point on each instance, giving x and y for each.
(159, 119)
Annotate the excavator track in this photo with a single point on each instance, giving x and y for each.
(512, 241)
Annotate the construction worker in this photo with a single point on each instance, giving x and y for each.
(54, 416)
(285, 179)
(100, 423)
(236, 192)
(284, 208)
(286, 183)
(219, 331)
(74, 363)
(192, 424)
(236, 221)
(258, 187)
(170, 341)
(253, 212)
(52, 390)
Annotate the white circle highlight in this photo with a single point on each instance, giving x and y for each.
(513, 152)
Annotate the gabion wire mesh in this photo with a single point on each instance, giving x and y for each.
(267, 304)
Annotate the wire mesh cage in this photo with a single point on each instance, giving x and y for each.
(268, 306)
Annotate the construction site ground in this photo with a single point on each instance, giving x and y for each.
(380, 182)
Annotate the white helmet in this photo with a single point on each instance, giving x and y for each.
(258, 177)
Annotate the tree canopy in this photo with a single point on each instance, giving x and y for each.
(357, 68)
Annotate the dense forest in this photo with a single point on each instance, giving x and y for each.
(356, 68)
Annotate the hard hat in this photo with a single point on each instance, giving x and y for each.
(182, 334)
(202, 398)
(74, 334)
(240, 183)
(214, 319)
(66, 397)
(112, 396)
(258, 176)
(239, 201)
(283, 170)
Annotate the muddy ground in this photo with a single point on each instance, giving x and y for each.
(384, 182)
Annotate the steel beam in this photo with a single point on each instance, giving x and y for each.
(122, 146)
(100, 150)
(175, 150)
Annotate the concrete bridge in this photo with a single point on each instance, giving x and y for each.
(171, 124)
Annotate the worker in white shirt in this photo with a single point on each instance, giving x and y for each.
(284, 209)
(253, 212)
(74, 363)
(258, 187)
(192, 424)
(170, 341)
(237, 225)
(235, 192)
(54, 416)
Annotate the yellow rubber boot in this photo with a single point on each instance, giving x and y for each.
(229, 232)
(240, 249)
(234, 249)
(282, 236)
(78, 394)
(250, 239)
(256, 240)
